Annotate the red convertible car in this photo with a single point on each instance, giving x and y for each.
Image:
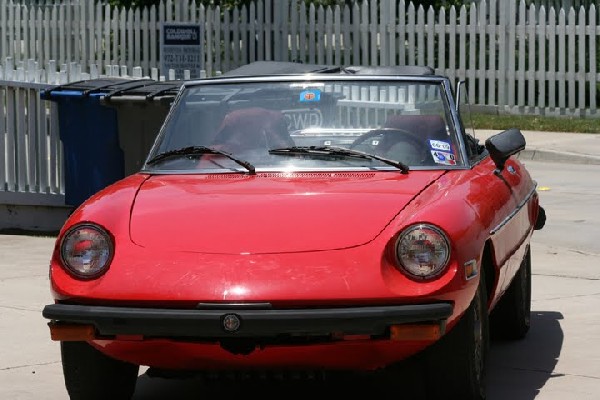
(294, 217)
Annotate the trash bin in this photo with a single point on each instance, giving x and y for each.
(141, 111)
(107, 127)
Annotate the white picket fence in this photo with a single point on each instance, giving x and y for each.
(30, 161)
(517, 58)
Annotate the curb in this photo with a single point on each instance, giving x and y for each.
(558, 156)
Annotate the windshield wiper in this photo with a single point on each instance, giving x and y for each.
(198, 150)
(338, 151)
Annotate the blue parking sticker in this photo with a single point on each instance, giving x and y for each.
(310, 95)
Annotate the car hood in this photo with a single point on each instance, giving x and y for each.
(269, 213)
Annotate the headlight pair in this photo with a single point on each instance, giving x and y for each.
(422, 251)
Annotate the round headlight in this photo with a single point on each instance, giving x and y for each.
(422, 251)
(86, 250)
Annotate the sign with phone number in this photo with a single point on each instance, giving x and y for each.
(181, 49)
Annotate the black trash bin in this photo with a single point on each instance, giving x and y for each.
(141, 111)
(94, 154)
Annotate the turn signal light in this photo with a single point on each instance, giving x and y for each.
(416, 332)
(71, 332)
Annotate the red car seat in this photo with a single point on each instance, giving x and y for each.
(252, 129)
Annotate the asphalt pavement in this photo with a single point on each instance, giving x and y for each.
(30, 362)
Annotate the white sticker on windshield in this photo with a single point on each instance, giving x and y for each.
(439, 145)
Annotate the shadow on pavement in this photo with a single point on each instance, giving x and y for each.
(518, 370)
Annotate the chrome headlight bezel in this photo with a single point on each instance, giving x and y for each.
(86, 250)
(422, 251)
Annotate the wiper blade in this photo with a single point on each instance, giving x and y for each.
(338, 151)
(198, 150)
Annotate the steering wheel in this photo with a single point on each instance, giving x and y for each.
(415, 151)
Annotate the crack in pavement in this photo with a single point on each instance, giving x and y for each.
(585, 253)
(29, 365)
(552, 373)
(24, 277)
(567, 297)
(567, 276)
(22, 308)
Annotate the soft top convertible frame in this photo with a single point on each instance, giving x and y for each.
(286, 68)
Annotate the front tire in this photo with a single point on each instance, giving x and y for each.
(457, 363)
(511, 318)
(91, 375)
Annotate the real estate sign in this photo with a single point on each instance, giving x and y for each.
(180, 49)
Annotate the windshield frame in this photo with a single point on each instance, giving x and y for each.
(447, 97)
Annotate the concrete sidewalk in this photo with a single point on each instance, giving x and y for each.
(575, 148)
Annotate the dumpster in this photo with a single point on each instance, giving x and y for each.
(96, 153)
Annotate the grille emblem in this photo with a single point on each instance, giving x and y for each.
(231, 322)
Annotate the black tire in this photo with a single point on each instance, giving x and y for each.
(511, 318)
(91, 375)
(457, 363)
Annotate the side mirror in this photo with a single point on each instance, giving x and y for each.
(503, 145)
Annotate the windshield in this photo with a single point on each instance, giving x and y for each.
(308, 125)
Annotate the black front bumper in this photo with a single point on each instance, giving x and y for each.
(246, 321)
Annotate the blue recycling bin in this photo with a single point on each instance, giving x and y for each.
(89, 132)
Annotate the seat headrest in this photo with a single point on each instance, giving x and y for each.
(253, 127)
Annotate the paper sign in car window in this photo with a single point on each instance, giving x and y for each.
(310, 95)
(302, 118)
